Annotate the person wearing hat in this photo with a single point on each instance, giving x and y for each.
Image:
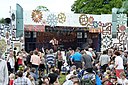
(3, 71)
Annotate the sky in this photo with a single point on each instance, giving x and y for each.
(52, 5)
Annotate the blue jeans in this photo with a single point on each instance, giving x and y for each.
(36, 68)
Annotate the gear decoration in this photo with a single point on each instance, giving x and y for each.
(106, 41)
(36, 16)
(52, 20)
(95, 24)
(91, 19)
(3, 45)
(121, 19)
(100, 23)
(61, 18)
(83, 19)
(122, 28)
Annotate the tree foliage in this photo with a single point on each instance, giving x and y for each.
(2, 21)
(42, 8)
(96, 6)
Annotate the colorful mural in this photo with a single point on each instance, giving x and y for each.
(101, 24)
(121, 36)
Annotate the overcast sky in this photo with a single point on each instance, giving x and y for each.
(52, 5)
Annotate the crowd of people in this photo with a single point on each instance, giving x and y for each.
(80, 66)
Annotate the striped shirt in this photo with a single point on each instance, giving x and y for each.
(50, 59)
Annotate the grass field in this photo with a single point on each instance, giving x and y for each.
(62, 79)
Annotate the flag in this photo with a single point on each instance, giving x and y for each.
(19, 21)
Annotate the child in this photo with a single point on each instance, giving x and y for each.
(12, 77)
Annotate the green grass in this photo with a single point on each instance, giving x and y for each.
(62, 78)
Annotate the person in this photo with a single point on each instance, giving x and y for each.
(53, 76)
(73, 80)
(46, 79)
(32, 73)
(77, 58)
(59, 60)
(26, 71)
(104, 61)
(35, 60)
(87, 62)
(3, 71)
(118, 64)
(11, 78)
(122, 80)
(50, 60)
(21, 80)
(32, 80)
(125, 60)
(11, 61)
(42, 64)
(20, 59)
(54, 43)
(29, 58)
(24, 53)
(68, 53)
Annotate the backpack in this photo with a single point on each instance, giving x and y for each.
(88, 79)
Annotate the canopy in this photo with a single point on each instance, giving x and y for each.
(35, 28)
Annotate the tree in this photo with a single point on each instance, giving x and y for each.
(96, 6)
(42, 8)
(125, 6)
(2, 21)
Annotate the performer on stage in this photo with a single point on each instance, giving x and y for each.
(54, 43)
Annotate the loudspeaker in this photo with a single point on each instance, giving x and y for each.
(7, 20)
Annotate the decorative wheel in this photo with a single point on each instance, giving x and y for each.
(3, 45)
(121, 19)
(122, 28)
(83, 19)
(106, 41)
(91, 19)
(95, 24)
(52, 20)
(61, 18)
(36, 16)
